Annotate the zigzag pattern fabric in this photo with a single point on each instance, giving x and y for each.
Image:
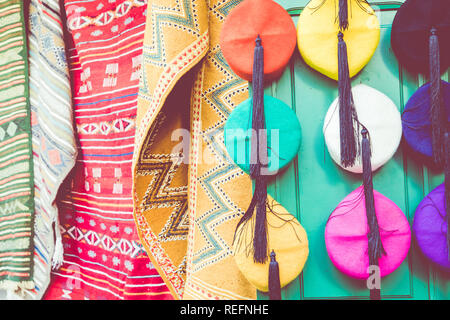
(54, 144)
(219, 191)
(16, 168)
(103, 257)
(186, 83)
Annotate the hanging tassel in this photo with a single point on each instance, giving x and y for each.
(274, 278)
(447, 187)
(347, 113)
(258, 159)
(343, 14)
(375, 294)
(437, 108)
(376, 249)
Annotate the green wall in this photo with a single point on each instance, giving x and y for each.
(313, 185)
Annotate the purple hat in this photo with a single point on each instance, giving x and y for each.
(430, 227)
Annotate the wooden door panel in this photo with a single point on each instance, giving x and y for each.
(313, 185)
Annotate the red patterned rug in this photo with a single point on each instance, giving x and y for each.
(103, 257)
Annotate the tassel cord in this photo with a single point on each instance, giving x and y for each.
(347, 113)
(258, 160)
(438, 119)
(274, 278)
(376, 249)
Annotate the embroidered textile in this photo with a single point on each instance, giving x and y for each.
(190, 247)
(16, 170)
(103, 258)
(54, 145)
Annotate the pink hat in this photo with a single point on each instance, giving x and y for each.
(346, 235)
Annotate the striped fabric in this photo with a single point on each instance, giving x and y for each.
(54, 145)
(103, 258)
(16, 177)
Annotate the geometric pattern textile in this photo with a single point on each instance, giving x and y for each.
(54, 145)
(186, 84)
(103, 257)
(16, 167)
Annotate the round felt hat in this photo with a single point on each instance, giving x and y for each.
(430, 227)
(381, 118)
(416, 120)
(286, 237)
(244, 23)
(317, 36)
(283, 134)
(346, 235)
(410, 35)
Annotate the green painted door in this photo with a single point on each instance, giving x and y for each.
(313, 185)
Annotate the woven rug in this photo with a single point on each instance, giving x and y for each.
(16, 176)
(187, 84)
(54, 145)
(103, 257)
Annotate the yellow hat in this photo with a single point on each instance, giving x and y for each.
(285, 236)
(317, 32)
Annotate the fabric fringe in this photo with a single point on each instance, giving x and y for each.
(15, 290)
(58, 253)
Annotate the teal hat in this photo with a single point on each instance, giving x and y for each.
(283, 134)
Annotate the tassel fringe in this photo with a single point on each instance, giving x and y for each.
(376, 249)
(258, 159)
(347, 112)
(343, 14)
(447, 187)
(437, 107)
(274, 278)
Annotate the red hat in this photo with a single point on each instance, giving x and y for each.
(242, 26)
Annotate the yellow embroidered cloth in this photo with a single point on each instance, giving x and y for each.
(188, 196)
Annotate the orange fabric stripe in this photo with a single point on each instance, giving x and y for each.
(16, 235)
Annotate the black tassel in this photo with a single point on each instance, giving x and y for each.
(343, 14)
(274, 278)
(437, 108)
(258, 159)
(258, 124)
(376, 249)
(260, 238)
(375, 294)
(347, 113)
(447, 187)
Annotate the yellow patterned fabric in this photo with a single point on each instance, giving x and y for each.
(186, 84)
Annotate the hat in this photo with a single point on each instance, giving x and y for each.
(286, 238)
(346, 234)
(244, 23)
(338, 38)
(430, 227)
(257, 40)
(411, 31)
(283, 134)
(363, 224)
(317, 32)
(416, 120)
(420, 38)
(379, 115)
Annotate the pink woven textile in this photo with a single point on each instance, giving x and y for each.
(103, 257)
